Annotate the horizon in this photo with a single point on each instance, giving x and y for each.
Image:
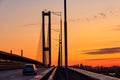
(93, 29)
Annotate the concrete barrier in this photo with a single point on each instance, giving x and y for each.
(52, 75)
(11, 65)
(94, 75)
(41, 75)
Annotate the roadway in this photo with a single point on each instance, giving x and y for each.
(17, 74)
(72, 75)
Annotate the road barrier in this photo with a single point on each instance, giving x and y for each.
(52, 75)
(42, 75)
(93, 75)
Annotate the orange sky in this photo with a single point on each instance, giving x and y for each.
(93, 29)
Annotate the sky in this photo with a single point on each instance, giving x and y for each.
(93, 29)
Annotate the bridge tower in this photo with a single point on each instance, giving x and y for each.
(48, 47)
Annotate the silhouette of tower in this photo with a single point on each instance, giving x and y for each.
(46, 48)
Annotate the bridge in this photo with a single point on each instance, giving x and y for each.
(15, 63)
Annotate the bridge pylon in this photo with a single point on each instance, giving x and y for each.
(46, 47)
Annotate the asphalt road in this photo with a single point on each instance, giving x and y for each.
(72, 75)
(17, 74)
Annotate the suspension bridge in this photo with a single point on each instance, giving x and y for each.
(45, 70)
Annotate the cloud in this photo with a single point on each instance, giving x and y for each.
(103, 51)
(102, 14)
(99, 15)
(102, 59)
(39, 23)
(32, 24)
(116, 28)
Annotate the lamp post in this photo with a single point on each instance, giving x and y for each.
(65, 34)
(65, 39)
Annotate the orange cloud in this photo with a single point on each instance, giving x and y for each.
(103, 51)
(103, 62)
(32, 24)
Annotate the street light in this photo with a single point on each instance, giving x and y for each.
(65, 34)
(65, 39)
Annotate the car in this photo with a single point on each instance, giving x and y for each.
(30, 69)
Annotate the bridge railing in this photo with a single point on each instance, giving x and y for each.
(52, 75)
(42, 75)
(94, 75)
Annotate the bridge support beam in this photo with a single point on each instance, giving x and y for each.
(48, 48)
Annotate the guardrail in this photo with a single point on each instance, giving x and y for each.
(94, 75)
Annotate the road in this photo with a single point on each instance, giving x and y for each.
(77, 76)
(17, 74)
(72, 75)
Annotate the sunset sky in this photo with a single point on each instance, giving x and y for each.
(93, 29)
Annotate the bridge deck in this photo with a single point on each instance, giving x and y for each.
(14, 57)
(94, 75)
(72, 75)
